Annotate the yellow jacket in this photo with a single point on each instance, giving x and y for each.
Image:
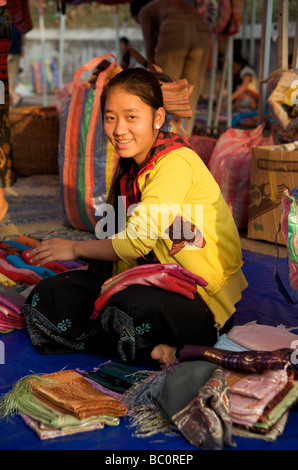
(183, 217)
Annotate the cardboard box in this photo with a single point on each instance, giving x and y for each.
(273, 169)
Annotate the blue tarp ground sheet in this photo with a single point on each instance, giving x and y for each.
(261, 302)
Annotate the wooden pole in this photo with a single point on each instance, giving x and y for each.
(283, 34)
(43, 52)
(294, 64)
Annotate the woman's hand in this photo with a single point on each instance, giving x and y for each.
(55, 249)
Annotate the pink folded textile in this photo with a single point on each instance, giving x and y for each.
(10, 319)
(12, 300)
(170, 277)
(45, 432)
(250, 394)
(11, 304)
(175, 269)
(11, 324)
(18, 274)
(262, 337)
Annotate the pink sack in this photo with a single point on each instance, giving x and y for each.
(230, 166)
(203, 145)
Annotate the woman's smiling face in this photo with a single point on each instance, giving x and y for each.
(130, 124)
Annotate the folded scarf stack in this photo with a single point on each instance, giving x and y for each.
(17, 275)
(61, 403)
(242, 391)
(260, 403)
(11, 303)
(159, 401)
(171, 277)
(245, 392)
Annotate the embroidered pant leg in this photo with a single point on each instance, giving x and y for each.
(58, 310)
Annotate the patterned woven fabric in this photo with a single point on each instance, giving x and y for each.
(200, 411)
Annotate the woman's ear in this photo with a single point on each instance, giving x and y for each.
(159, 118)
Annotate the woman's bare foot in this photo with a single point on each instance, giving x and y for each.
(164, 354)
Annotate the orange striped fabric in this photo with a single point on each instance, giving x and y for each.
(176, 97)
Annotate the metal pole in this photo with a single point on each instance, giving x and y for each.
(61, 44)
(117, 31)
(264, 58)
(252, 59)
(43, 54)
(230, 80)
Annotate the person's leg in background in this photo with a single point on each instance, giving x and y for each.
(182, 52)
(194, 70)
(13, 63)
(172, 47)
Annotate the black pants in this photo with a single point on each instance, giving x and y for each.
(58, 314)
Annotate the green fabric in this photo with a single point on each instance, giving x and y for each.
(22, 399)
(117, 377)
(33, 407)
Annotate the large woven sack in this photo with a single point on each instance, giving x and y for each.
(34, 139)
(86, 158)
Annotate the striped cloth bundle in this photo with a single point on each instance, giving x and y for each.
(176, 97)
